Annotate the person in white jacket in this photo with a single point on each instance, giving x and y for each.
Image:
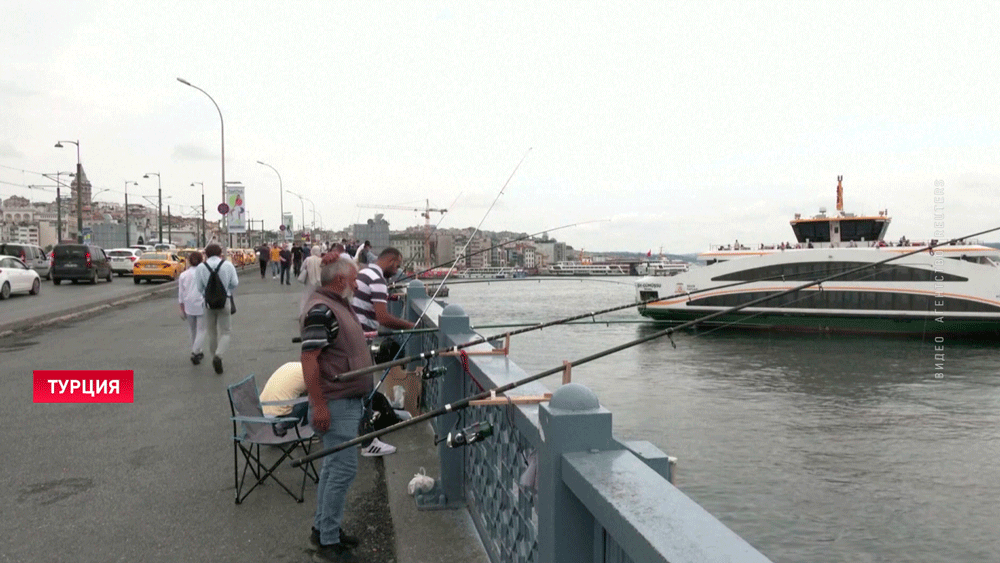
(192, 304)
(310, 275)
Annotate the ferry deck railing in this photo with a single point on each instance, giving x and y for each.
(551, 484)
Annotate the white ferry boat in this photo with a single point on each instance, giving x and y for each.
(583, 269)
(493, 272)
(953, 289)
(662, 268)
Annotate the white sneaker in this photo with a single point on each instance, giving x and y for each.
(378, 448)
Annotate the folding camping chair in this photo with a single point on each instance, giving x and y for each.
(251, 429)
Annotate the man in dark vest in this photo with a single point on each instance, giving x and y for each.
(333, 342)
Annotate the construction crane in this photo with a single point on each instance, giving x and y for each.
(425, 212)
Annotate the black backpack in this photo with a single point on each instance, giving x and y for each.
(215, 292)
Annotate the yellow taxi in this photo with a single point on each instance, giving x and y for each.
(157, 266)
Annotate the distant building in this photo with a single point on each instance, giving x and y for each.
(85, 190)
(375, 231)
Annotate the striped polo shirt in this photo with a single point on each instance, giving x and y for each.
(371, 289)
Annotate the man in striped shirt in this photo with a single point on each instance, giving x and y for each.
(372, 295)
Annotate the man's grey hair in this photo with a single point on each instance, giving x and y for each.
(342, 266)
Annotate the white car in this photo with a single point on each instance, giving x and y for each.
(15, 276)
(123, 259)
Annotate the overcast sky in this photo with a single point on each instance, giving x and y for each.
(683, 124)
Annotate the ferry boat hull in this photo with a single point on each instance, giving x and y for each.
(954, 292)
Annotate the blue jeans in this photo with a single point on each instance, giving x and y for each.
(338, 470)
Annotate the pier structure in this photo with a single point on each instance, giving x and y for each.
(551, 484)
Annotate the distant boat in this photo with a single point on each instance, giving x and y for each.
(662, 267)
(493, 272)
(581, 269)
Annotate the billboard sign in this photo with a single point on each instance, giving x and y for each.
(237, 216)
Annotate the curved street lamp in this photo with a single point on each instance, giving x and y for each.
(79, 189)
(127, 182)
(159, 210)
(281, 197)
(202, 184)
(225, 226)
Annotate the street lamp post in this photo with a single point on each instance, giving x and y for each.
(223, 123)
(159, 210)
(127, 182)
(202, 184)
(302, 217)
(59, 202)
(79, 189)
(281, 197)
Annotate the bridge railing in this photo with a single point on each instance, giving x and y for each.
(551, 484)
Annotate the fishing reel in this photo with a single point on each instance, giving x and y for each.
(470, 435)
(431, 373)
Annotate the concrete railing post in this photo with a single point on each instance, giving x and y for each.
(416, 293)
(573, 421)
(449, 490)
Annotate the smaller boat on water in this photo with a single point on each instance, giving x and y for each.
(492, 272)
(584, 269)
(662, 267)
(952, 289)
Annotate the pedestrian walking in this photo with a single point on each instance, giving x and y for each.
(298, 253)
(333, 343)
(285, 256)
(215, 275)
(275, 261)
(192, 305)
(310, 275)
(263, 256)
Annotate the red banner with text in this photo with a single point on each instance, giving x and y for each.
(83, 386)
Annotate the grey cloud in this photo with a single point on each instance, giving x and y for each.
(193, 152)
(12, 89)
(9, 151)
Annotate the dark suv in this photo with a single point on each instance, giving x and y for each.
(79, 262)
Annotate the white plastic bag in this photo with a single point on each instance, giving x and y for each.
(420, 483)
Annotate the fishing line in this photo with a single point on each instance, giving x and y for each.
(463, 403)
(450, 270)
(427, 237)
(542, 325)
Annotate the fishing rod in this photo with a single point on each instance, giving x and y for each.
(463, 403)
(494, 247)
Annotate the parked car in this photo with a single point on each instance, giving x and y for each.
(33, 256)
(157, 266)
(123, 259)
(79, 262)
(15, 275)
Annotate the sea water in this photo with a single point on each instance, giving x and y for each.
(812, 448)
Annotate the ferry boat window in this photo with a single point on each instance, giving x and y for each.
(871, 300)
(809, 271)
(814, 231)
(648, 295)
(858, 230)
